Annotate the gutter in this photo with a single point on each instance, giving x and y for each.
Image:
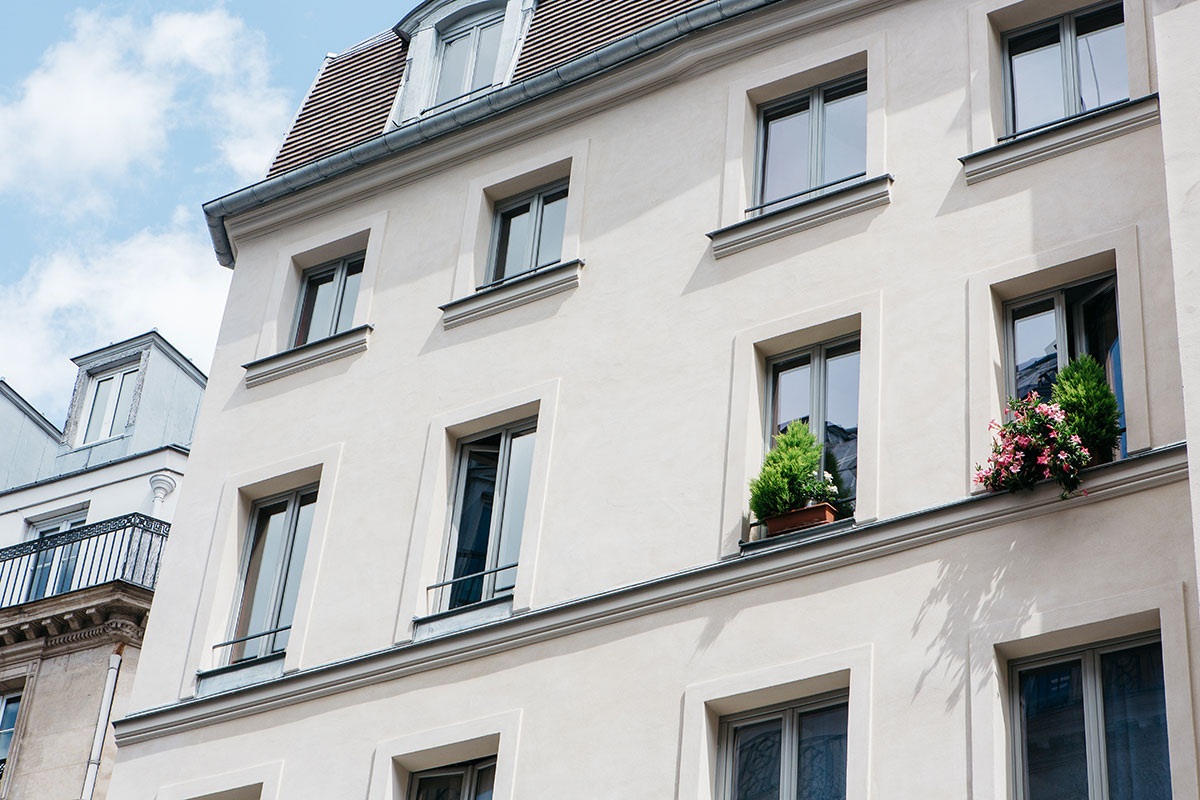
(483, 108)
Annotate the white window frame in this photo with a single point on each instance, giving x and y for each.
(5, 699)
(814, 98)
(339, 268)
(1070, 69)
(1093, 707)
(108, 419)
(790, 713)
(53, 566)
(470, 28)
(491, 566)
(264, 642)
(469, 770)
(537, 201)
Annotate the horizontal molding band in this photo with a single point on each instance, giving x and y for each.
(762, 567)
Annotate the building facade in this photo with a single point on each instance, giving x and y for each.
(522, 303)
(84, 517)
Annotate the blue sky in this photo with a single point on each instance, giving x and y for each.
(117, 120)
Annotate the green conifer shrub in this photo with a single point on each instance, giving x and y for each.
(791, 475)
(1081, 390)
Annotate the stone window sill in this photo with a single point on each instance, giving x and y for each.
(458, 619)
(307, 356)
(521, 289)
(243, 673)
(860, 196)
(1062, 137)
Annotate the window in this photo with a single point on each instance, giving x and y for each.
(790, 752)
(468, 58)
(811, 141)
(43, 565)
(489, 511)
(473, 780)
(273, 563)
(528, 232)
(10, 706)
(1092, 724)
(327, 299)
(109, 399)
(818, 387)
(1045, 331)
(1064, 67)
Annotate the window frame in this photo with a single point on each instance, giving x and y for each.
(5, 699)
(119, 374)
(1067, 40)
(468, 769)
(1093, 705)
(447, 580)
(339, 268)
(790, 712)
(468, 28)
(537, 205)
(814, 97)
(50, 526)
(817, 358)
(267, 639)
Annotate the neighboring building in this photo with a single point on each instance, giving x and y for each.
(468, 518)
(84, 517)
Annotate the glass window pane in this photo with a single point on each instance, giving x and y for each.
(1035, 346)
(785, 156)
(845, 142)
(554, 215)
(474, 519)
(1054, 752)
(485, 783)
(516, 492)
(295, 568)
(841, 417)
(757, 761)
(1135, 724)
(452, 79)
(39, 577)
(349, 296)
(1100, 47)
(485, 55)
(821, 772)
(793, 396)
(124, 401)
(440, 787)
(515, 245)
(1103, 343)
(68, 555)
(316, 311)
(265, 551)
(1037, 78)
(9, 720)
(5, 744)
(99, 408)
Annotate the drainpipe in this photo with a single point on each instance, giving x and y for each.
(110, 686)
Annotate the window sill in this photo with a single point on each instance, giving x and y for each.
(458, 619)
(1063, 137)
(243, 673)
(866, 194)
(307, 356)
(814, 534)
(522, 289)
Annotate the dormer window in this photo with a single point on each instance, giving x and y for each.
(109, 398)
(468, 56)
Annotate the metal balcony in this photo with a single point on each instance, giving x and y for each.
(127, 548)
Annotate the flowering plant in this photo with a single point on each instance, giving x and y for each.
(1035, 444)
(791, 476)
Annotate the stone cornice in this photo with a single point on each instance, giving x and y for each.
(760, 567)
(74, 621)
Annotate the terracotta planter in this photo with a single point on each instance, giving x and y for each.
(800, 518)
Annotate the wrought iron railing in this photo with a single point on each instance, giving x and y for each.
(127, 548)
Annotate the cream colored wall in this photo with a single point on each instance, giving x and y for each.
(643, 356)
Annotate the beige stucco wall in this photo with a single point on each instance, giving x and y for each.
(645, 379)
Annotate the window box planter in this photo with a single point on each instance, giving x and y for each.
(811, 516)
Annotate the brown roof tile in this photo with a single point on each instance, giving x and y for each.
(348, 103)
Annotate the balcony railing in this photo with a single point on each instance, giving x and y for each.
(127, 548)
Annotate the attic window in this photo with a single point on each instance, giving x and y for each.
(467, 57)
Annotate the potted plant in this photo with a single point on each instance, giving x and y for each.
(1036, 443)
(792, 491)
(1081, 390)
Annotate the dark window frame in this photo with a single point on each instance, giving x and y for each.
(499, 271)
(302, 332)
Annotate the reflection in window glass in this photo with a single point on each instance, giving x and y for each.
(516, 240)
(1135, 724)
(785, 155)
(1037, 78)
(841, 417)
(793, 753)
(845, 134)
(1100, 48)
(821, 772)
(1035, 345)
(455, 53)
(468, 61)
(327, 303)
(1055, 751)
(95, 424)
(793, 395)
(554, 216)
(529, 232)
(757, 761)
(474, 780)
(485, 58)
(481, 461)
(8, 726)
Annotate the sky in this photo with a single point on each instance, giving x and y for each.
(117, 121)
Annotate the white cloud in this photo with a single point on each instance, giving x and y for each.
(77, 299)
(104, 103)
